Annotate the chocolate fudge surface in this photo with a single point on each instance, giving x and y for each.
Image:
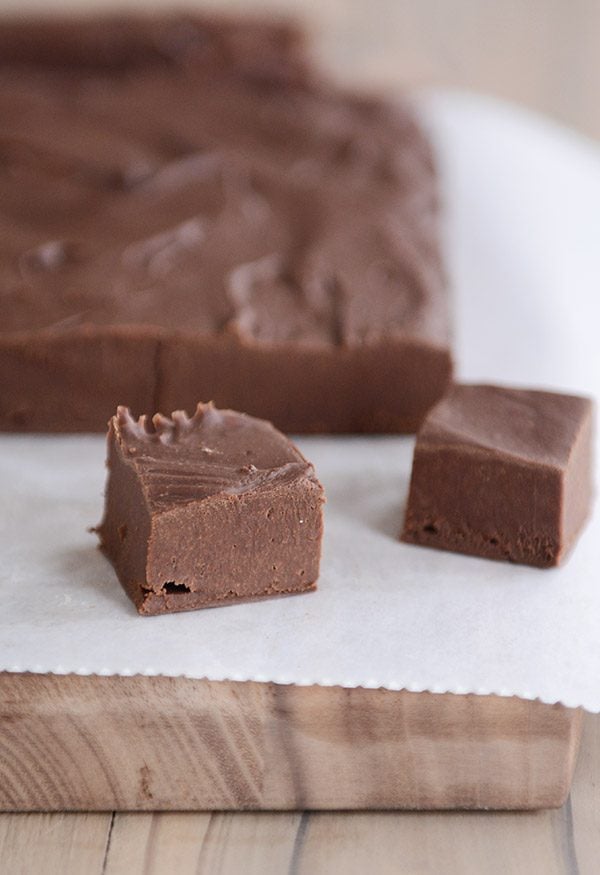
(208, 510)
(185, 212)
(502, 473)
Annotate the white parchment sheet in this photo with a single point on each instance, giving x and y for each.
(523, 218)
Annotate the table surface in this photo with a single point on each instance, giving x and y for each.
(542, 53)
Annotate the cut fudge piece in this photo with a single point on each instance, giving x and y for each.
(208, 510)
(186, 212)
(502, 473)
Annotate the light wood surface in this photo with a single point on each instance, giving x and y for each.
(156, 743)
(561, 842)
(544, 54)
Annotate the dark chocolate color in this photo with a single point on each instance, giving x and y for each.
(208, 510)
(502, 473)
(186, 213)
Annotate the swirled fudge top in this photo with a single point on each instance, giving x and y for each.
(186, 175)
(185, 458)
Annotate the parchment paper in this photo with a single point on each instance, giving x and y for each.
(523, 220)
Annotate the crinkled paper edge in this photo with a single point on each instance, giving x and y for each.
(283, 680)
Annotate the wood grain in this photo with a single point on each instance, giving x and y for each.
(387, 843)
(202, 843)
(60, 843)
(583, 809)
(104, 743)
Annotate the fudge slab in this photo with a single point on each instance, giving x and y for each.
(208, 510)
(187, 211)
(502, 473)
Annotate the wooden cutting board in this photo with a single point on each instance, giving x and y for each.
(156, 743)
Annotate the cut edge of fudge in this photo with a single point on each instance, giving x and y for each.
(184, 531)
(311, 389)
(517, 489)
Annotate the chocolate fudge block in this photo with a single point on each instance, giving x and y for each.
(208, 510)
(502, 473)
(187, 212)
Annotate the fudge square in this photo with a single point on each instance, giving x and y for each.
(502, 473)
(188, 211)
(208, 510)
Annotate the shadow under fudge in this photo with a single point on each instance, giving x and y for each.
(386, 494)
(189, 213)
(84, 571)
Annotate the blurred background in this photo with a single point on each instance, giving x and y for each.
(544, 54)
